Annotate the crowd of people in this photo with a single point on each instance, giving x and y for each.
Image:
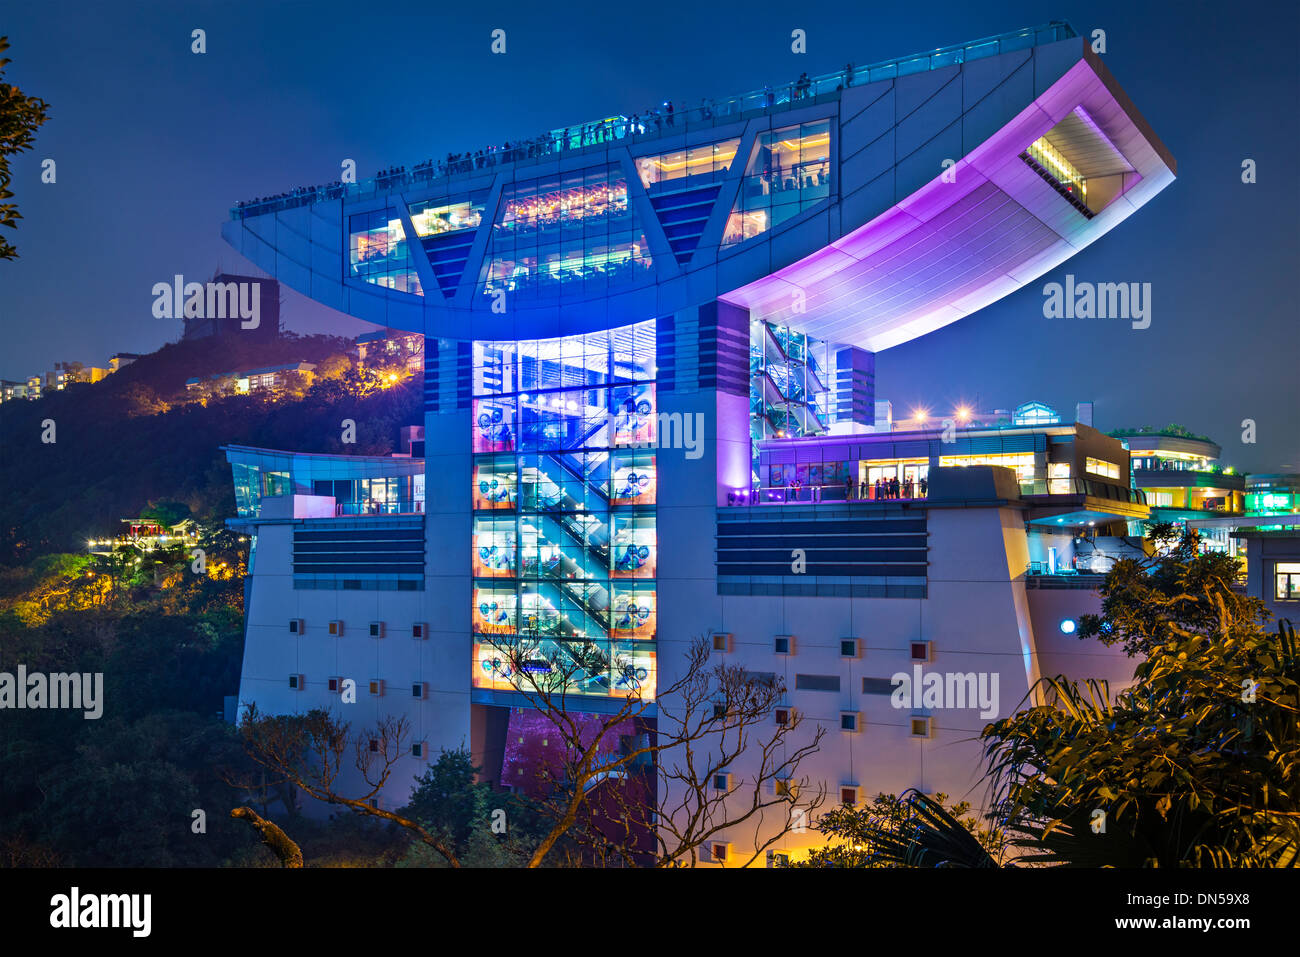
(653, 121)
(887, 488)
(299, 196)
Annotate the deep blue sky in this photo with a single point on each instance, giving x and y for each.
(153, 145)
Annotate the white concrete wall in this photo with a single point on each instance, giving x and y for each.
(272, 654)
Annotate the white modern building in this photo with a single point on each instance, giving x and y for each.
(649, 380)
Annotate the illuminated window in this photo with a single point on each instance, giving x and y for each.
(566, 230)
(1102, 467)
(789, 171)
(431, 220)
(564, 545)
(378, 253)
(1022, 462)
(1286, 581)
(687, 168)
(1035, 413)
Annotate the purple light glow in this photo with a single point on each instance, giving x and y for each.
(959, 243)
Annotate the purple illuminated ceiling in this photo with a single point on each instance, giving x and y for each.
(966, 240)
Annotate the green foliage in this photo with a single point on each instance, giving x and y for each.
(883, 834)
(1172, 429)
(119, 790)
(166, 514)
(20, 116)
(124, 445)
(1174, 594)
(452, 805)
(1197, 764)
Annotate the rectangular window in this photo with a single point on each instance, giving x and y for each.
(1286, 581)
(877, 686)
(817, 682)
(1047, 157)
(1022, 462)
(1102, 467)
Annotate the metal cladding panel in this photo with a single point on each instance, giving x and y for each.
(962, 241)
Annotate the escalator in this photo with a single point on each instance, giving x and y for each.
(591, 468)
(583, 610)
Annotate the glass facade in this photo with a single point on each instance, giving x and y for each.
(564, 538)
(687, 168)
(569, 235)
(378, 252)
(359, 485)
(789, 171)
(788, 372)
(433, 219)
(253, 483)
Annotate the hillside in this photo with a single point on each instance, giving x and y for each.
(135, 438)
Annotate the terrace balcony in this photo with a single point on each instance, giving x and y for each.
(599, 134)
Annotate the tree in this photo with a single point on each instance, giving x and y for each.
(708, 719)
(915, 830)
(288, 853)
(307, 753)
(1197, 764)
(166, 514)
(482, 826)
(20, 115)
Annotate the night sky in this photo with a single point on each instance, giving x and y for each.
(154, 144)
